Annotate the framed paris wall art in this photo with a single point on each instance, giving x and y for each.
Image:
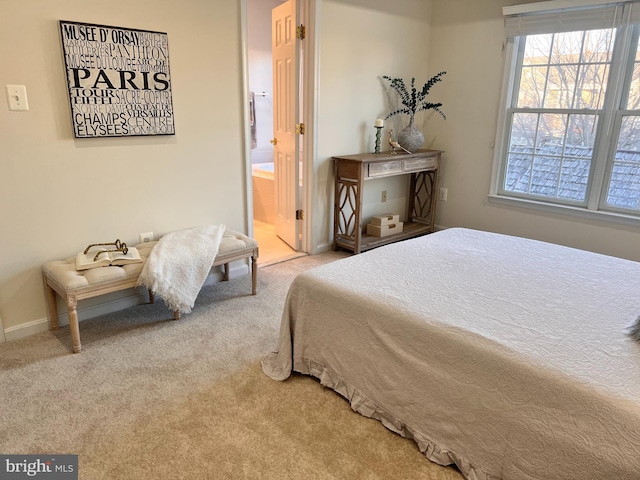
(119, 80)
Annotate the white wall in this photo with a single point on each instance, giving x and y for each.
(467, 40)
(58, 194)
(361, 40)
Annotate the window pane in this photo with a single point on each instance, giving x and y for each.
(520, 157)
(532, 86)
(544, 179)
(565, 70)
(563, 74)
(560, 164)
(591, 86)
(598, 45)
(576, 162)
(537, 49)
(629, 139)
(551, 130)
(519, 170)
(574, 178)
(624, 189)
(523, 130)
(581, 136)
(561, 86)
(624, 186)
(567, 47)
(633, 102)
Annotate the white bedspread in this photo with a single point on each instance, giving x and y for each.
(505, 356)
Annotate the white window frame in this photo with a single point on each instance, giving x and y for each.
(609, 122)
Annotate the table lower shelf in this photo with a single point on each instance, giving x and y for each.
(367, 242)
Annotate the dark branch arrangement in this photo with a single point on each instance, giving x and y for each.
(415, 101)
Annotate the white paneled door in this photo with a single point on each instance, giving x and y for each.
(285, 107)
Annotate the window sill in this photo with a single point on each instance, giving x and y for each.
(612, 217)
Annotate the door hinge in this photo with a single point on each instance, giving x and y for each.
(299, 214)
(301, 32)
(300, 128)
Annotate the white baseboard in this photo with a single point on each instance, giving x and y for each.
(323, 247)
(26, 329)
(130, 298)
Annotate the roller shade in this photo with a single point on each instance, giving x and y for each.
(590, 17)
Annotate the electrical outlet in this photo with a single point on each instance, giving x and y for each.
(145, 237)
(442, 194)
(384, 196)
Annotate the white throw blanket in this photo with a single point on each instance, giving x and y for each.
(179, 264)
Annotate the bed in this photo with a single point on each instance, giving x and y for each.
(505, 356)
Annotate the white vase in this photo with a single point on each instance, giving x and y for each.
(410, 137)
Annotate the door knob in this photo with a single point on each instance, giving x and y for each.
(274, 141)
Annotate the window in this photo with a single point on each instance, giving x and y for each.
(569, 131)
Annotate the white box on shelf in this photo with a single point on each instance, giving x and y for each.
(384, 230)
(385, 219)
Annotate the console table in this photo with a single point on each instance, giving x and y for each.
(351, 171)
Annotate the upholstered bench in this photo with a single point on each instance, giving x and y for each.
(61, 277)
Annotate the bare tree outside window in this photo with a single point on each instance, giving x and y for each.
(563, 82)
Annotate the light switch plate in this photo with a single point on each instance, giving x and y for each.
(17, 97)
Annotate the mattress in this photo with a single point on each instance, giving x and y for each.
(507, 357)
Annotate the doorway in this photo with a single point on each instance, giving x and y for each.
(265, 177)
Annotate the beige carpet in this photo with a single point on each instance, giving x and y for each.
(152, 398)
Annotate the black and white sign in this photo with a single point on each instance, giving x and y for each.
(119, 80)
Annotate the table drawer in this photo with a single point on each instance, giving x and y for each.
(385, 168)
(412, 164)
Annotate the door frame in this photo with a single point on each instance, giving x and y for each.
(310, 15)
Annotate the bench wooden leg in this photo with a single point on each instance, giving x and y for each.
(254, 274)
(74, 325)
(176, 314)
(51, 305)
(225, 277)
